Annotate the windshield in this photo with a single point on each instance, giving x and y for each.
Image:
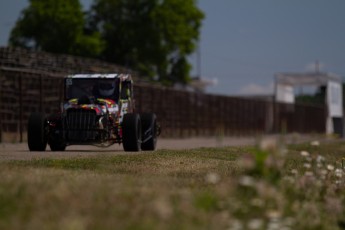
(91, 87)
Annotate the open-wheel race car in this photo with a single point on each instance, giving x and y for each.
(98, 109)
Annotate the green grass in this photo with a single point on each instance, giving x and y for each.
(206, 188)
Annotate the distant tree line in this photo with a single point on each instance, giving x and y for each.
(153, 37)
(318, 98)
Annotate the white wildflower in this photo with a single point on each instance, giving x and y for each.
(304, 153)
(338, 173)
(212, 178)
(319, 165)
(315, 143)
(289, 179)
(235, 225)
(247, 181)
(320, 159)
(269, 143)
(274, 225)
(307, 165)
(330, 167)
(255, 224)
(294, 171)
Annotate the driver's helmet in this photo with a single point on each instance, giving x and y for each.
(106, 89)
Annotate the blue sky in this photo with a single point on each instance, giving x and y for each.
(244, 42)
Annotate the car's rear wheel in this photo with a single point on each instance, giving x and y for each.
(56, 145)
(131, 132)
(37, 135)
(149, 134)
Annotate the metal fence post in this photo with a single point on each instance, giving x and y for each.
(1, 112)
(41, 93)
(20, 108)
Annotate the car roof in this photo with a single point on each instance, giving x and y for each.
(100, 76)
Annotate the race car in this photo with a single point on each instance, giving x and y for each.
(98, 109)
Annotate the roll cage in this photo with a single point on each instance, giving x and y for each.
(86, 85)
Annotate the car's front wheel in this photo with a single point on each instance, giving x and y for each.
(37, 135)
(131, 132)
(57, 145)
(149, 131)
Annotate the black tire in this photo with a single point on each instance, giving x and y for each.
(131, 132)
(148, 127)
(56, 141)
(37, 136)
(57, 146)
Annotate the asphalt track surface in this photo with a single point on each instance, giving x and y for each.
(19, 151)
